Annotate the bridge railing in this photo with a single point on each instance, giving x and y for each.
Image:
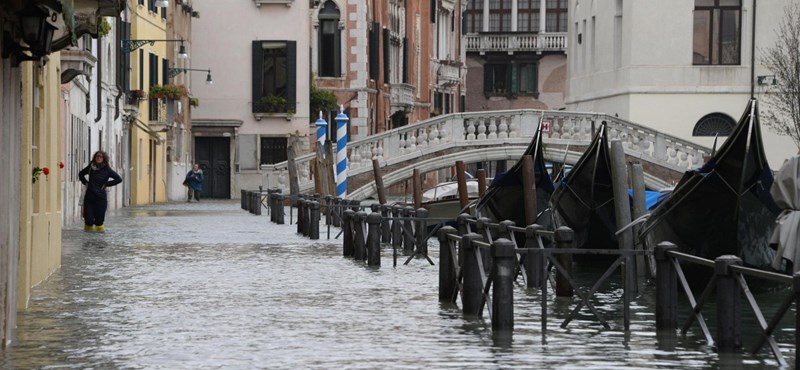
(492, 128)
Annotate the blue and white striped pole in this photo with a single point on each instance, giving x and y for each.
(322, 129)
(341, 153)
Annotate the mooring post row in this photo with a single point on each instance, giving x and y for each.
(728, 304)
(503, 265)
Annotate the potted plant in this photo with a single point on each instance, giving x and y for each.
(274, 103)
(139, 94)
(195, 102)
(173, 92)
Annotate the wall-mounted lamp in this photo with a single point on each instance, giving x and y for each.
(131, 45)
(37, 31)
(176, 71)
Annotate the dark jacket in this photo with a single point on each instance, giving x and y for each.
(195, 180)
(99, 180)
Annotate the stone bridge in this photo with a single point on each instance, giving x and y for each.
(471, 137)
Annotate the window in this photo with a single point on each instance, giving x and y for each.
(474, 16)
(511, 79)
(717, 32)
(153, 111)
(273, 150)
(528, 16)
(556, 16)
(164, 71)
(714, 124)
(274, 76)
(329, 41)
(499, 15)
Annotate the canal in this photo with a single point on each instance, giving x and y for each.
(207, 285)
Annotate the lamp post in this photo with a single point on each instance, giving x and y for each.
(129, 45)
(176, 71)
(322, 128)
(341, 153)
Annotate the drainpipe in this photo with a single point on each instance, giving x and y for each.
(753, 56)
(100, 53)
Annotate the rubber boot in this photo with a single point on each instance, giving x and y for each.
(88, 228)
(100, 228)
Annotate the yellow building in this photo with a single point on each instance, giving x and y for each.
(148, 68)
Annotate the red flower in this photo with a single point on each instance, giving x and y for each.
(60, 164)
(46, 171)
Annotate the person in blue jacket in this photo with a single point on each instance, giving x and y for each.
(95, 201)
(194, 181)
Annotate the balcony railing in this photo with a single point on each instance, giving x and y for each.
(511, 42)
(448, 72)
(402, 96)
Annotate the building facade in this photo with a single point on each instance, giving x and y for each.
(516, 54)
(260, 57)
(686, 68)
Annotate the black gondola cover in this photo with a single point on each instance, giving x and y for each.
(724, 207)
(584, 201)
(503, 199)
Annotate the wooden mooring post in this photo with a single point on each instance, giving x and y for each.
(374, 239)
(408, 233)
(533, 261)
(313, 222)
(376, 171)
(619, 182)
(386, 235)
(359, 245)
(471, 276)
(729, 311)
(503, 269)
(281, 201)
(461, 177)
(397, 227)
(564, 238)
(666, 291)
(639, 209)
(448, 284)
(421, 231)
(338, 212)
(347, 232)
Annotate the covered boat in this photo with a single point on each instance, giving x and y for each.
(584, 201)
(725, 207)
(503, 200)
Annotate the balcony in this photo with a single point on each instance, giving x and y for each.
(448, 72)
(75, 62)
(402, 97)
(514, 42)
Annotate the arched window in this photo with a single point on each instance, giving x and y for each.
(714, 124)
(329, 41)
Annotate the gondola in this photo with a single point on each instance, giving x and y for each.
(584, 200)
(724, 207)
(503, 199)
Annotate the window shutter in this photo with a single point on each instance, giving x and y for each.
(535, 78)
(405, 60)
(433, 11)
(141, 69)
(164, 71)
(509, 72)
(258, 75)
(531, 83)
(515, 78)
(373, 52)
(487, 79)
(386, 43)
(291, 74)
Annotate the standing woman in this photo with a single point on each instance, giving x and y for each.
(95, 202)
(194, 180)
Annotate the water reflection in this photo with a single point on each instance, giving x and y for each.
(206, 285)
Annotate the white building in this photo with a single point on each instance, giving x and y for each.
(255, 49)
(683, 67)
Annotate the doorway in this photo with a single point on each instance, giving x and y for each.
(214, 157)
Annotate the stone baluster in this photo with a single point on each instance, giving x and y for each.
(481, 127)
(566, 128)
(492, 129)
(434, 135)
(502, 129)
(412, 141)
(513, 126)
(471, 128)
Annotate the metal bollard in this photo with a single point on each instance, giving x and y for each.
(397, 228)
(729, 312)
(338, 212)
(504, 229)
(472, 284)
(359, 246)
(564, 238)
(347, 232)
(666, 290)
(328, 208)
(504, 265)
(422, 231)
(447, 268)
(386, 235)
(301, 204)
(408, 230)
(533, 260)
(280, 201)
(374, 239)
(313, 222)
(257, 200)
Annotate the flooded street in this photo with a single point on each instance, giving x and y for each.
(210, 286)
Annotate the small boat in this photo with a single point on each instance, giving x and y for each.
(584, 200)
(725, 207)
(442, 201)
(503, 199)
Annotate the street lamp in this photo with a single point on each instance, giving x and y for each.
(131, 45)
(176, 71)
(37, 31)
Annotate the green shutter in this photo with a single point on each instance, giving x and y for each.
(487, 79)
(530, 84)
(291, 74)
(509, 72)
(515, 78)
(258, 59)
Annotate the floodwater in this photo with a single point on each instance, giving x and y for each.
(210, 286)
